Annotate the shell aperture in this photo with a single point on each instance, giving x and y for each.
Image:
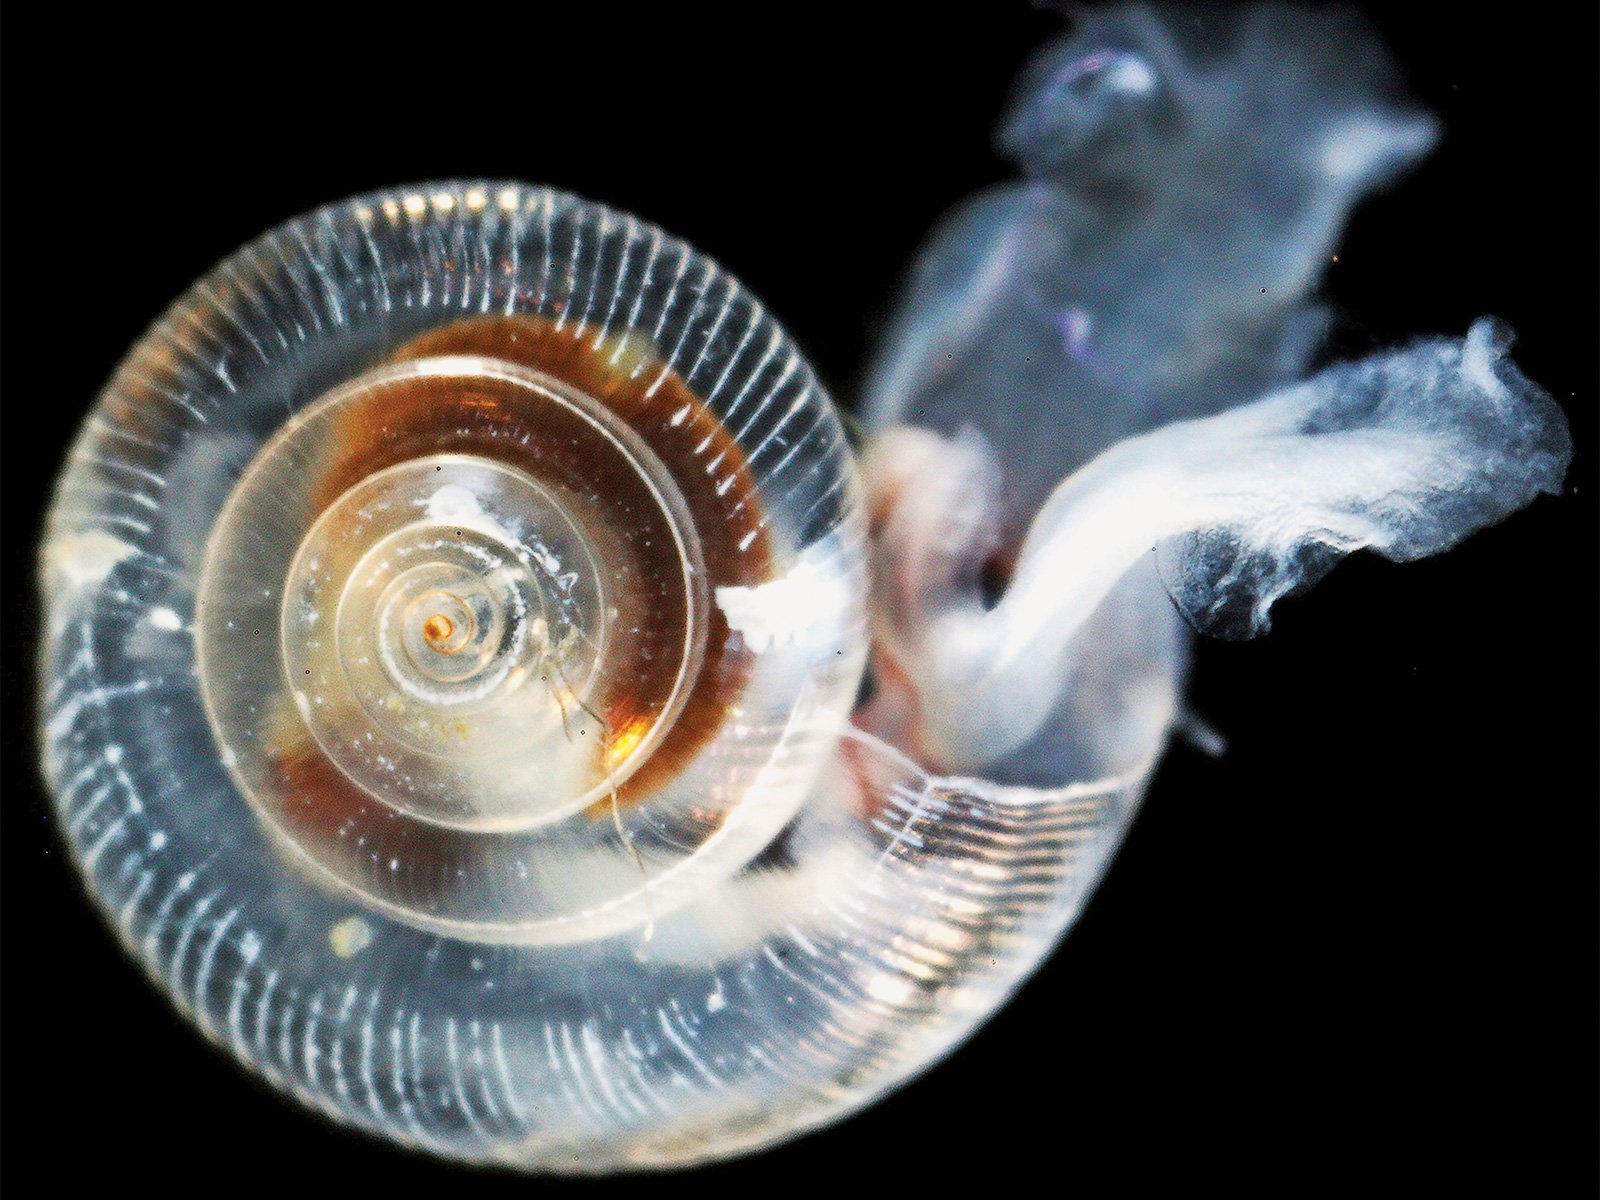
(473, 739)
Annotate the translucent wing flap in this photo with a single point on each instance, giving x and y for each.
(1404, 454)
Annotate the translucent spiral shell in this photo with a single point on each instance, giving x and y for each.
(456, 606)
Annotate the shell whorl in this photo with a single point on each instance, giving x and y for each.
(505, 682)
(455, 612)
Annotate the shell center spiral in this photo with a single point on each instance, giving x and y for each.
(468, 615)
(458, 539)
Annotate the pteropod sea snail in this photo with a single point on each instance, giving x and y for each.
(491, 692)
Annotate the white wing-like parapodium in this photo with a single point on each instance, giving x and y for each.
(1404, 454)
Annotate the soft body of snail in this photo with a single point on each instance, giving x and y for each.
(459, 604)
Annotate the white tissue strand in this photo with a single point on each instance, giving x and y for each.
(1404, 453)
(783, 611)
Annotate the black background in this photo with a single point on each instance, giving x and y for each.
(1361, 949)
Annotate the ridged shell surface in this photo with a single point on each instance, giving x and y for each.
(455, 612)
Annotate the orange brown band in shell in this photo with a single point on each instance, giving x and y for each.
(639, 389)
(645, 395)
